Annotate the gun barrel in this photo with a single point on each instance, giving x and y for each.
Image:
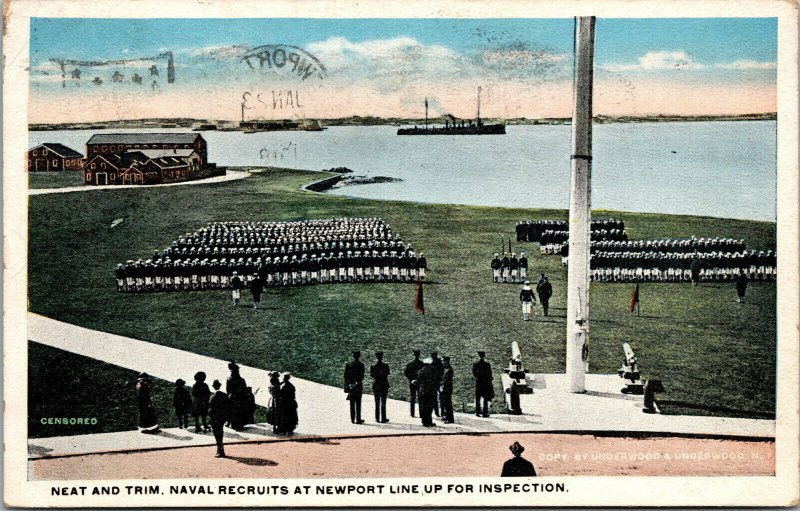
(516, 354)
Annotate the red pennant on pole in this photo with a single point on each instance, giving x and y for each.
(635, 298)
(419, 302)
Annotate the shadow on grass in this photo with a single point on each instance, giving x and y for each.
(256, 462)
(748, 414)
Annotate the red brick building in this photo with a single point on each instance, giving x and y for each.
(144, 158)
(51, 157)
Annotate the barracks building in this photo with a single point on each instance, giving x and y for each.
(53, 157)
(144, 158)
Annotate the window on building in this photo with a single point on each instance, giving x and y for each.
(55, 163)
(102, 165)
(113, 177)
(88, 177)
(35, 152)
(94, 165)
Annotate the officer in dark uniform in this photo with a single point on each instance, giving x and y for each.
(354, 386)
(380, 387)
(545, 290)
(256, 288)
(694, 269)
(428, 387)
(484, 390)
(446, 391)
(218, 410)
(411, 371)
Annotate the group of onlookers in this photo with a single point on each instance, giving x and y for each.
(235, 407)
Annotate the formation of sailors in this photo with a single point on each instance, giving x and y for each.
(677, 267)
(680, 246)
(509, 268)
(533, 230)
(550, 242)
(270, 239)
(276, 254)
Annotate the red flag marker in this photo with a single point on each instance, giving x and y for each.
(635, 299)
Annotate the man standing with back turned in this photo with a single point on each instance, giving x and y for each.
(354, 386)
(218, 409)
(380, 387)
(411, 371)
(484, 390)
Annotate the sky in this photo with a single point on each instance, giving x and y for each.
(387, 67)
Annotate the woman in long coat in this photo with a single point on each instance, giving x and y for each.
(288, 400)
(148, 422)
(236, 388)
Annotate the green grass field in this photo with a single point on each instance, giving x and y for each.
(714, 356)
(62, 384)
(55, 179)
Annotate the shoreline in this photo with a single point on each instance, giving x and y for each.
(375, 121)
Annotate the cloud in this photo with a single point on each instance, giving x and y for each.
(520, 62)
(220, 52)
(680, 60)
(658, 60)
(381, 57)
(749, 64)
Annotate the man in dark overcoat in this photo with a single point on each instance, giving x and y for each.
(256, 288)
(218, 409)
(484, 390)
(354, 386)
(545, 290)
(411, 371)
(518, 466)
(741, 285)
(428, 387)
(380, 387)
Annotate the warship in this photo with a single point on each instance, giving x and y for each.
(452, 126)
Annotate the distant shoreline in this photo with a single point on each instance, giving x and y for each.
(225, 125)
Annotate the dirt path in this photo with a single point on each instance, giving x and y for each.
(231, 175)
(425, 455)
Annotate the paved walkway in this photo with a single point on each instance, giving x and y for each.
(323, 408)
(231, 175)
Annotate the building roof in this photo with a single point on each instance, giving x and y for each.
(170, 162)
(143, 138)
(164, 153)
(60, 149)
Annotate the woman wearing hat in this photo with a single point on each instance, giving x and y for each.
(236, 388)
(148, 422)
(288, 399)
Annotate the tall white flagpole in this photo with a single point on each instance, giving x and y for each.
(580, 216)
